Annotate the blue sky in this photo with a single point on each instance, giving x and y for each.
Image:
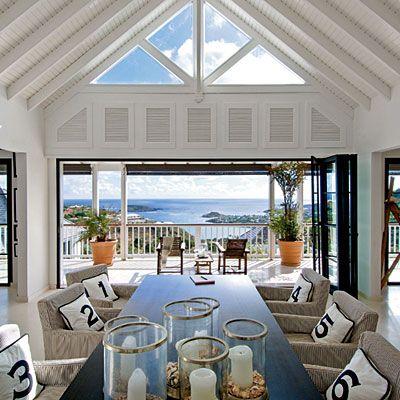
(222, 39)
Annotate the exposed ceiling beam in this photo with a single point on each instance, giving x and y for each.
(66, 48)
(348, 26)
(334, 49)
(384, 13)
(230, 62)
(318, 82)
(352, 91)
(19, 8)
(95, 52)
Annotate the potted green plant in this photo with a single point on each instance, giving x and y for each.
(285, 221)
(97, 227)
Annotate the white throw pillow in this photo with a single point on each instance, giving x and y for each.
(79, 315)
(98, 287)
(360, 380)
(17, 375)
(333, 327)
(302, 290)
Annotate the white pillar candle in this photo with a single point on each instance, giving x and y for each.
(202, 384)
(127, 360)
(241, 366)
(137, 385)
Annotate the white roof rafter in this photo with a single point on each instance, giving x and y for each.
(19, 8)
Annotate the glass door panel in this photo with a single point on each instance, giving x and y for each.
(5, 221)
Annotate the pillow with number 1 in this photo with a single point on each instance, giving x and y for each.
(302, 290)
(79, 315)
(98, 287)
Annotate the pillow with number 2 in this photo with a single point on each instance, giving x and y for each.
(79, 315)
(17, 375)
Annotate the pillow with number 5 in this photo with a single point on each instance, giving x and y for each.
(79, 315)
(17, 376)
(302, 290)
(333, 327)
(360, 380)
(98, 287)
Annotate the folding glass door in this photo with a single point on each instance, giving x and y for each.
(335, 220)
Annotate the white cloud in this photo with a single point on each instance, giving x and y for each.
(216, 52)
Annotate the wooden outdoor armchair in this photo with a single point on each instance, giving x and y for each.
(170, 246)
(235, 250)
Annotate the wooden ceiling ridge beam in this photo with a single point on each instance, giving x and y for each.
(368, 42)
(285, 59)
(66, 48)
(39, 35)
(331, 47)
(346, 86)
(102, 46)
(384, 13)
(19, 8)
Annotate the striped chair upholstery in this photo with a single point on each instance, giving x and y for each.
(276, 298)
(298, 331)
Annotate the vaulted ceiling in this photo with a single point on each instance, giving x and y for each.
(348, 50)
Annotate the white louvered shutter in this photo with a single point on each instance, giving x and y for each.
(74, 130)
(323, 129)
(116, 125)
(240, 125)
(199, 125)
(158, 125)
(281, 125)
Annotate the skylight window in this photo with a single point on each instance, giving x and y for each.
(175, 39)
(222, 39)
(259, 67)
(138, 68)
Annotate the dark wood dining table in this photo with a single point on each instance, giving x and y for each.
(286, 377)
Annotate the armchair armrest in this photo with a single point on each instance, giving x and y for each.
(57, 372)
(274, 292)
(323, 377)
(296, 323)
(220, 248)
(124, 290)
(303, 309)
(336, 355)
(108, 313)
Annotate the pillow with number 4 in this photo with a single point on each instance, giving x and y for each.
(333, 327)
(98, 287)
(79, 315)
(302, 290)
(360, 380)
(17, 375)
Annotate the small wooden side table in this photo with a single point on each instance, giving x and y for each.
(200, 262)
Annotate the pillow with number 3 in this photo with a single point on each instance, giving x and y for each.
(98, 287)
(302, 290)
(79, 315)
(17, 375)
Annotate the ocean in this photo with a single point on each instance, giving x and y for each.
(183, 210)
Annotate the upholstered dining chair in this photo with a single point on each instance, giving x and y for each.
(276, 297)
(384, 356)
(59, 341)
(170, 247)
(56, 375)
(124, 291)
(298, 328)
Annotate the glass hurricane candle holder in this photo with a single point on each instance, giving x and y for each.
(125, 319)
(247, 342)
(183, 319)
(215, 304)
(135, 359)
(203, 368)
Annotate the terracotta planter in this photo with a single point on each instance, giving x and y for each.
(103, 252)
(291, 252)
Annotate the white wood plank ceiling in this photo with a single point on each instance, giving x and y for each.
(347, 49)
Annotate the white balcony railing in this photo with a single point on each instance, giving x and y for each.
(142, 239)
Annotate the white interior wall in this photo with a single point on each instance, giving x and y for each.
(375, 132)
(22, 132)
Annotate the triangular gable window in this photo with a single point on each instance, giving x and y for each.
(138, 68)
(259, 67)
(175, 39)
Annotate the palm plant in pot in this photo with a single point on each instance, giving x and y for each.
(285, 221)
(96, 231)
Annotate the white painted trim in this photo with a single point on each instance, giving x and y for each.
(15, 11)
(213, 144)
(265, 128)
(240, 89)
(254, 136)
(198, 42)
(344, 128)
(383, 12)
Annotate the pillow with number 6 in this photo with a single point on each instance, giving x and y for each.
(79, 315)
(98, 287)
(302, 290)
(17, 375)
(360, 380)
